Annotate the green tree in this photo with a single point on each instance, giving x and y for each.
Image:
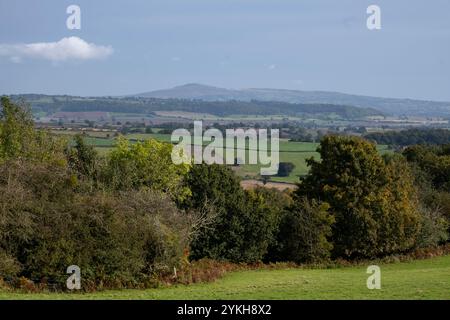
(83, 158)
(285, 169)
(374, 203)
(434, 161)
(304, 233)
(219, 186)
(244, 222)
(16, 129)
(264, 210)
(146, 164)
(20, 140)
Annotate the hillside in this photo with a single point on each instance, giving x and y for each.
(53, 104)
(386, 105)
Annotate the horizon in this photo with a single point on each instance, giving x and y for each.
(289, 45)
(213, 86)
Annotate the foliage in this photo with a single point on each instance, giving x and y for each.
(303, 236)
(145, 164)
(218, 108)
(133, 216)
(244, 222)
(116, 239)
(434, 161)
(285, 169)
(374, 203)
(431, 165)
(264, 212)
(434, 226)
(18, 139)
(411, 137)
(83, 158)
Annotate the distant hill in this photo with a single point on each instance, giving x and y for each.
(391, 106)
(196, 91)
(54, 104)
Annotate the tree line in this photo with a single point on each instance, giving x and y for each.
(51, 104)
(411, 137)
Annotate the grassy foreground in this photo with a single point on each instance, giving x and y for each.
(420, 279)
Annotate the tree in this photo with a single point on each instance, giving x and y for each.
(16, 129)
(431, 167)
(218, 185)
(264, 210)
(20, 140)
(148, 130)
(146, 164)
(83, 158)
(285, 169)
(434, 161)
(374, 203)
(244, 222)
(304, 233)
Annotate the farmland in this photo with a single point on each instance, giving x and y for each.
(294, 152)
(123, 222)
(420, 279)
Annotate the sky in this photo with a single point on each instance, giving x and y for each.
(132, 46)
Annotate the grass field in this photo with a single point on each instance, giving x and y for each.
(294, 152)
(420, 279)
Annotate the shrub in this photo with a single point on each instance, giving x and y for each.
(304, 233)
(434, 227)
(285, 169)
(121, 239)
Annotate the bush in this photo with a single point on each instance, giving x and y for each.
(121, 239)
(304, 233)
(433, 198)
(434, 227)
(285, 169)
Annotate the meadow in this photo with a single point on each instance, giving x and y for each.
(294, 152)
(419, 279)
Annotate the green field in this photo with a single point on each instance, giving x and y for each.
(295, 152)
(420, 279)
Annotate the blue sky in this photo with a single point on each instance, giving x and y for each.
(137, 46)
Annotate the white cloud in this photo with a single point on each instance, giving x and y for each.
(72, 48)
(271, 67)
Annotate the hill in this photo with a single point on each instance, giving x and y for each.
(391, 106)
(53, 104)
